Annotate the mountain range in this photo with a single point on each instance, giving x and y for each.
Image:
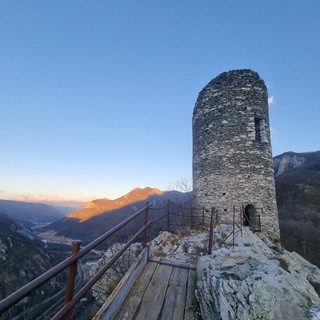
(297, 177)
(298, 184)
(30, 213)
(100, 206)
(102, 214)
(298, 200)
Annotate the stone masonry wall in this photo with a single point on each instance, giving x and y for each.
(232, 158)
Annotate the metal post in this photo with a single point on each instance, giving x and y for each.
(241, 220)
(211, 231)
(168, 216)
(191, 217)
(202, 215)
(145, 233)
(72, 272)
(233, 224)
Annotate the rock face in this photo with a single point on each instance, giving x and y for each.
(254, 281)
(298, 190)
(288, 161)
(232, 159)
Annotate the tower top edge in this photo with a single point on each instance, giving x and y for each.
(237, 77)
(234, 80)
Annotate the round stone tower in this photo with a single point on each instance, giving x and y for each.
(232, 158)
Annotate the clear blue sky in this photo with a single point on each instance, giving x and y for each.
(96, 97)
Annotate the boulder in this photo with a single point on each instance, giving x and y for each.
(251, 279)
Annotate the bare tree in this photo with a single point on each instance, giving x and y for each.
(184, 186)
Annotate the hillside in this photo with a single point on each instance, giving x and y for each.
(34, 213)
(298, 199)
(23, 257)
(100, 206)
(102, 214)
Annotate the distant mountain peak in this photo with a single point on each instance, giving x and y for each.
(99, 206)
(139, 192)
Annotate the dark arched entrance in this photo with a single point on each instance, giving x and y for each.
(251, 217)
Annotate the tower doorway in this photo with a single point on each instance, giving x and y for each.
(250, 216)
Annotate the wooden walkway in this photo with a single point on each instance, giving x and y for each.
(161, 292)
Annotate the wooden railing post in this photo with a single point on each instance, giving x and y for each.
(211, 232)
(72, 272)
(145, 233)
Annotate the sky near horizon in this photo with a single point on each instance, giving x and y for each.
(96, 97)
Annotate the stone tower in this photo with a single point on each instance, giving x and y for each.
(232, 158)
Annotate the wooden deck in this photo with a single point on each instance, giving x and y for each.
(161, 292)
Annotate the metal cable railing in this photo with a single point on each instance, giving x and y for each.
(244, 220)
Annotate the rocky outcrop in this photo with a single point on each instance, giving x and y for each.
(104, 287)
(288, 161)
(291, 160)
(181, 249)
(255, 281)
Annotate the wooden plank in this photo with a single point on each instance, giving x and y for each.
(154, 296)
(175, 264)
(131, 304)
(174, 304)
(119, 294)
(191, 302)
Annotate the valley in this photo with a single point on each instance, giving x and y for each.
(51, 236)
